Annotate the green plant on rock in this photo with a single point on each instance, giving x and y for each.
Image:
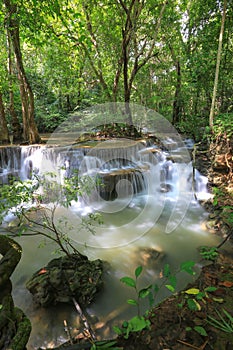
(227, 215)
(218, 195)
(209, 253)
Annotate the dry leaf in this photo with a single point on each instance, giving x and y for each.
(227, 284)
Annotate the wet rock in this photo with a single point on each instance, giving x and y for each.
(175, 158)
(67, 277)
(148, 257)
(211, 224)
(121, 182)
(164, 188)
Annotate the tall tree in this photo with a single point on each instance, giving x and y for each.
(220, 40)
(16, 128)
(118, 40)
(30, 132)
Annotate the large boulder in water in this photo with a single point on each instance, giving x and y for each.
(65, 278)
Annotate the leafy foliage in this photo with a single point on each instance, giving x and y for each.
(209, 253)
(135, 324)
(79, 54)
(139, 322)
(224, 124)
(194, 297)
(34, 203)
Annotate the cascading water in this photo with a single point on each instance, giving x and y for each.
(146, 194)
(10, 162)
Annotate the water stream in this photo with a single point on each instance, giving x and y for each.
(150, 218)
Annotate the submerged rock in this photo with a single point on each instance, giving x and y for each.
(65, 278)
(149, 257)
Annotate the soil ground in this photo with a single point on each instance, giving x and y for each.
(174, 325)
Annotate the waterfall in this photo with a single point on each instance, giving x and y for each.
(10, 163)
(125, 167)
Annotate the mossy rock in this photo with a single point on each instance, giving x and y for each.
(67, 277)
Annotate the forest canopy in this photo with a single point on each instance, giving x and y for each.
(66, 55)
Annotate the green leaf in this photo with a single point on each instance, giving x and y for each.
(166, 270)
(210, 289)
(187, 266)
(105, 344)
(218, 300)
(173, 281)
(117, 330)
(193, 291)
(125, 324)
(138, 271)
(201, 330)
(169, 287)
(193, 305)
(228, 315)
(201, 295)
(143, 293)
(137, 324)
(129, 281)
(132, 302)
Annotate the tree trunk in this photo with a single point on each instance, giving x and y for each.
(16, 127)
(211, 116)
(177, 99)
(4, 135)
(30, 132)
(127, 88)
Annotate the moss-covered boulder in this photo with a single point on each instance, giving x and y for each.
(67, 277)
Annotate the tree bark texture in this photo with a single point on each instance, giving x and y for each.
(30, 132)
(211, 116)
(177, 99)
(16, 127)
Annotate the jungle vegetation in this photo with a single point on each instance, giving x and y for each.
(175, 57)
